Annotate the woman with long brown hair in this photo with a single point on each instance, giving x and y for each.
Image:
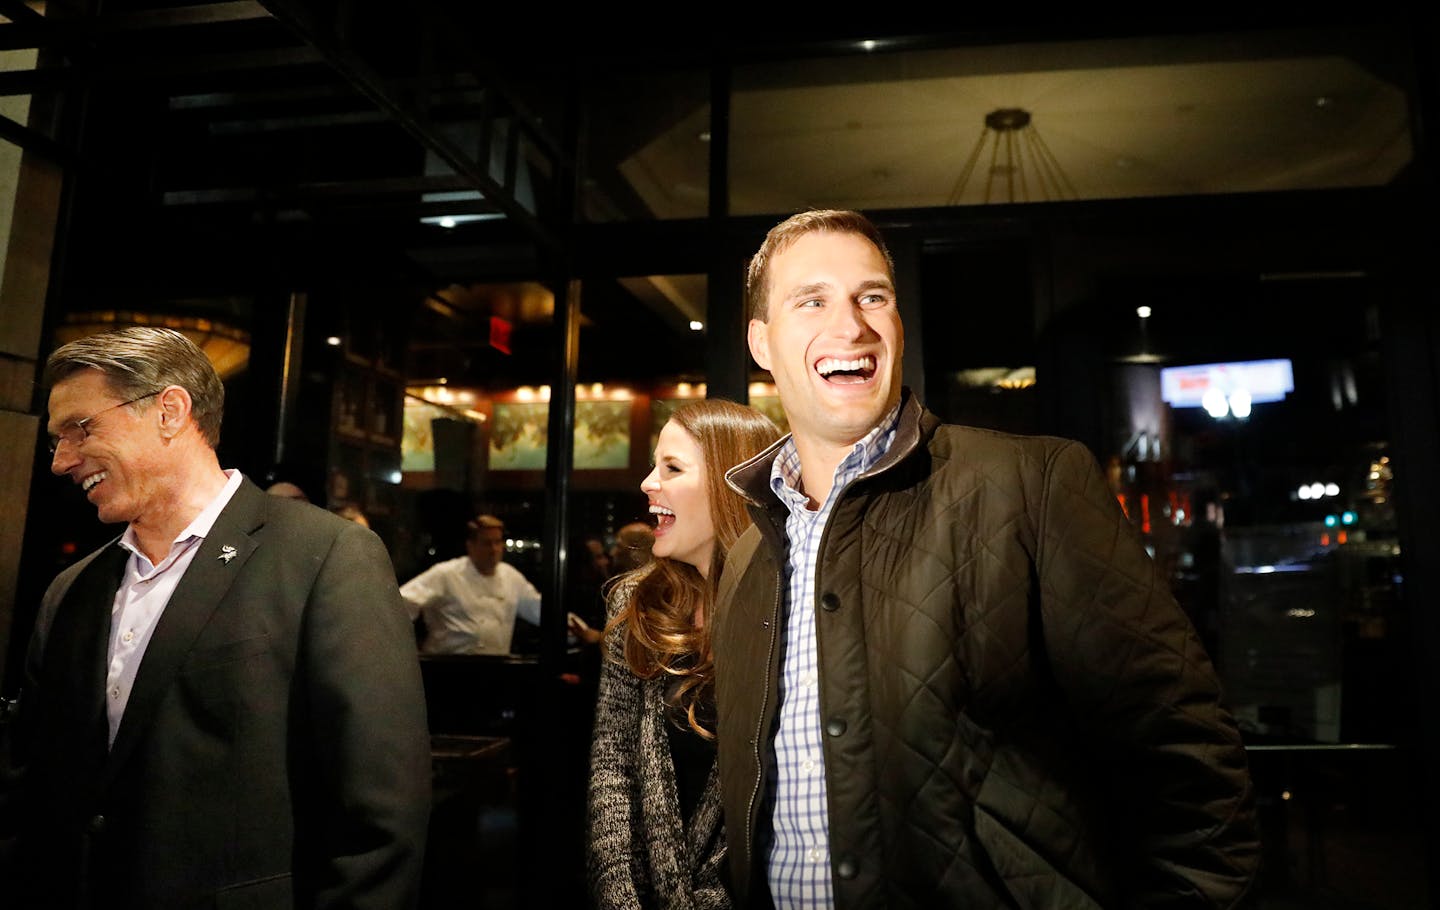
(655, 828)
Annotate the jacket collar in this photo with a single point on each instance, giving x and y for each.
(751, 479)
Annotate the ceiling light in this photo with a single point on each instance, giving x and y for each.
(1215, 403)
(696, 325)
(1020, 161)
(450, 221)
(333, 341)
(1240, 403)
(867, 44)
(1143, 312)
(226, 347)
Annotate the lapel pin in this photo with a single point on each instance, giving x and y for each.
(227, 553)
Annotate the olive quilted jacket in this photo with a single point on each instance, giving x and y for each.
(1018, 714)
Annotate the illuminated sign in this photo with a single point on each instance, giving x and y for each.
(1263, 380)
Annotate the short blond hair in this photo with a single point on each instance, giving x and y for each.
(782, 235)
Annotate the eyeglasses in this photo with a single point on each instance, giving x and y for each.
(77, 431)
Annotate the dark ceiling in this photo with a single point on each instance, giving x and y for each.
(236, 147)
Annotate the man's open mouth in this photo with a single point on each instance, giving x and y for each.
(846, 372)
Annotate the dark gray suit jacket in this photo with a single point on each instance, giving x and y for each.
(274, 750)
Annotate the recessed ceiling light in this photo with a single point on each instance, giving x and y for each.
(1323, 101)
(696, 325)
(450, 221)
(704, 136)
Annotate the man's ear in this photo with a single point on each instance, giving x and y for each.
(174, 408)
(758, 334)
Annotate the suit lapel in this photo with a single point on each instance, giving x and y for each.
(77, 648)
(209, 577)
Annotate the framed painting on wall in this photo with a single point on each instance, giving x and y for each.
(519, 435)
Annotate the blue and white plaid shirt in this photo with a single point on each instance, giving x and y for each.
(799, 860)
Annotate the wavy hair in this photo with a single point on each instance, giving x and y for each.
(661, 598)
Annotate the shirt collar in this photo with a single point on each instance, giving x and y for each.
(864, 455)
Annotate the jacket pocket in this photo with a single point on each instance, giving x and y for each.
(273, 893)
(230, 652)
(1032, 881)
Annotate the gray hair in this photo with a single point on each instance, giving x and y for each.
(139, 360)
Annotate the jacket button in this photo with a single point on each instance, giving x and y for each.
(96, 824)
(847, 868)
(830, 601)
(835, 726)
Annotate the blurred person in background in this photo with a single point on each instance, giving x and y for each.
(469, 604)
(351, 512)
(633, 543)
(287, 490)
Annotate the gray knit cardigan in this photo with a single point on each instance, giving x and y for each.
(639, 853)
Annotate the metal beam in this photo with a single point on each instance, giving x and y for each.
(455, 102)
(19, 12)
(28, 82)
(440, 183)
(28, 28)
(199, 14)
(369, 83)
(34, 141)
(375, 187)
(296, 122)
(460, 37)
(141, 68)
(206, 101)
(20, 36)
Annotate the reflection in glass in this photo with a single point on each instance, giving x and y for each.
(647, 147)
(1112, 119)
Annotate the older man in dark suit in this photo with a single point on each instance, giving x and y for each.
(222, 707)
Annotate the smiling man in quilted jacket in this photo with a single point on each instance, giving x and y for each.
(948, 674)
